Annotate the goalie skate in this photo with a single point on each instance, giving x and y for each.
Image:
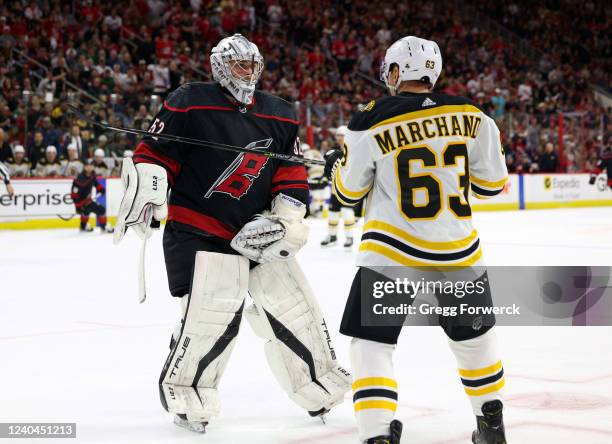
(194, 426)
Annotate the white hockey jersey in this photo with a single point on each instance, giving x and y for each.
(416, 157)
(314, 171)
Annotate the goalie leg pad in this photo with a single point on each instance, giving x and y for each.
(299, 348)
(202, 347)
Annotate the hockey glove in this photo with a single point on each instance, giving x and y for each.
(592, 179)
(144, 202)
(332, 157)
(274, 237)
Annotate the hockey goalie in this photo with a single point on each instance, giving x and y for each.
(234, 225)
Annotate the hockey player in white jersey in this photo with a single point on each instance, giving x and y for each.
(416, 154)
(318, 189)
(338, 211)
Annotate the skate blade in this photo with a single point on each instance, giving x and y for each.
(330, 244)
(193, 426)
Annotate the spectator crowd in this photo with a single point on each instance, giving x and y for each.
(117, 61)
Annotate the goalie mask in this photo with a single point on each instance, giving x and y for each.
(236, 65)
(417, 59)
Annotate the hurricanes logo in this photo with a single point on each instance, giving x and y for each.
(547, 183)
(240, 174)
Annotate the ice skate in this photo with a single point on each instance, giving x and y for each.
(329, 241)
(348, 243)
(490, 425)
(85, 229)
(194, 426)
(107, 229)
(393, 438)
(321, 414)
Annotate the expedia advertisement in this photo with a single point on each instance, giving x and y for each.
(550, 190)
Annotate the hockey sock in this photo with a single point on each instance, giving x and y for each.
(101, 221)
(480, 369)
(332, 222)
(374, 388)
(84, 221)
(348, 214)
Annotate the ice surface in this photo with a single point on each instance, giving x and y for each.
(76, 346)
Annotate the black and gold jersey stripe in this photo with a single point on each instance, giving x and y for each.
(485, 189)
(390, 241)
(391, 107)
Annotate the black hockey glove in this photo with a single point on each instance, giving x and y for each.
(332, 157)
(592, 179)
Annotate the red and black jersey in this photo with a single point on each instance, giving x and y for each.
(81, 189)
(605, 164)
(216, 191)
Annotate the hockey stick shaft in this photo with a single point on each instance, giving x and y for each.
(196, 142)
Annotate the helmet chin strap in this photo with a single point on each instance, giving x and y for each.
(393, 88)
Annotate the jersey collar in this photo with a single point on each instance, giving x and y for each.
(229, 98)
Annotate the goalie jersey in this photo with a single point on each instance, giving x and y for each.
(215, 192)
(416, 157)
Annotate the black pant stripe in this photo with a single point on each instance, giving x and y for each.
(374, 235)
(484, 381)
(288, 338)
(375, 393)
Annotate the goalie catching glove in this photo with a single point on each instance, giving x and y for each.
(144, 203)
(276, 236)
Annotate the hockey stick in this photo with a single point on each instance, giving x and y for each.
(190, 141)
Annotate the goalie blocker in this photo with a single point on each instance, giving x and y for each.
(285, 313)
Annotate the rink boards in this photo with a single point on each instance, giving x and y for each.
(46, 203)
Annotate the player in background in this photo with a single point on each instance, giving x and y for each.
(50, 165)
(337, 209)
(18, 164)
(318, 188)
(73, 166)
(6, 179)
(235, 223)
(416, 154)
(99, 164)
(82, 188)
(603, 164)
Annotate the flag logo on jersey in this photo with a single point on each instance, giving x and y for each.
(240, 174)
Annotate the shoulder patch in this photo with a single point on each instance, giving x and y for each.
(366, 107)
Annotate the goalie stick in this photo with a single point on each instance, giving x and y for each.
(196, 142)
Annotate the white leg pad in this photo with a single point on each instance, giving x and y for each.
(299, 348)
(212, 314)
